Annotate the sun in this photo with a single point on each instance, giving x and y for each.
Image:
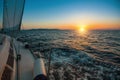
(82, 28)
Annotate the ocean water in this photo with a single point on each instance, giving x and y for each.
(87, 52)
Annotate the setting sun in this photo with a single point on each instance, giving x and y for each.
(82, 28)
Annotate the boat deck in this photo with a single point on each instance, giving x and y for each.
(26, 64)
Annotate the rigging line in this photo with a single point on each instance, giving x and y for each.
(14, 14)
(19, 14)
(5, 5)
(3, 15)
(22, 14)
(22, 27)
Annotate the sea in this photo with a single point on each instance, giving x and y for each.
(88, 55)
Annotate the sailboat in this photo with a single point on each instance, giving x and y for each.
(16, 61)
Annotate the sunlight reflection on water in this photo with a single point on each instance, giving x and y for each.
(98, 43)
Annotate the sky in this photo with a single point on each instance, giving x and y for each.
(69, 14)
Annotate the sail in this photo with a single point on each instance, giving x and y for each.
(12, 14)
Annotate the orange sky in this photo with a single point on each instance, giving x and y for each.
(103, 26)
(75, 26)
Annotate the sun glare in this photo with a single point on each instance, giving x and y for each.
(82, 28)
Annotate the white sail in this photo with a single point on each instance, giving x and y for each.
(12, 15)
